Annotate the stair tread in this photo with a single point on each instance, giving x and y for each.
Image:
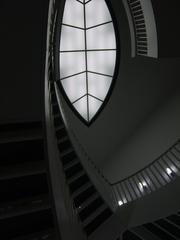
(24, 206)
(81, 189)
(94, 214)
(69, 150)
(20, 136)
(43, 235)
(20, 170)
(62, 139)
(76, 176)
(57, 115)
(88, 201)
(61, 126)
(144, 233)
(71, 164)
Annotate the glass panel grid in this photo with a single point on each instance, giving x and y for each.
(87, 50)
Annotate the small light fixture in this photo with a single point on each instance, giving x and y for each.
(142, 185)
(170, 172)
(120, 203)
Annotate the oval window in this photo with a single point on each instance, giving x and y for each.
(87, 56)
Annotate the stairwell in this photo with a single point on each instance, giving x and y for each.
(25, 205)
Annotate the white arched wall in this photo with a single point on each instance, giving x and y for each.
(150, 27)
(144, 87)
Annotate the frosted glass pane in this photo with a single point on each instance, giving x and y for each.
(71, 39)
(75, 87)
(73, 13)
(71, 63)
(97, 12)
(102, 37)
(102, 62)
(81, 107)
(94, 106)
(98, 85)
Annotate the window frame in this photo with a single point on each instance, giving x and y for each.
(56, 51)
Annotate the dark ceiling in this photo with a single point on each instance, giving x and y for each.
(23, 37)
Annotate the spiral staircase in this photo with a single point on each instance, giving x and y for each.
(51, 189)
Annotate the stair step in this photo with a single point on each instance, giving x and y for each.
(132, 236)
(12, 153)
(20, 132)
(27, 224)
(57, 120)
(97, 221)
(53, 96)
(61, 131)
(91, 208)
(20, 136)
(89, 200)
(62, 126)
(79, 182)
(73, 170)
(20, 170)
(82, 189)
(66, 152)
(142, 233)
(25, 209)
(94, 214)
(43, 235)
(84, 197)
(55, 108)
(24, 206)
(71, 164)
(65, 146)
(76, 176)
(62, 139)
(66, 159)
(24, 187)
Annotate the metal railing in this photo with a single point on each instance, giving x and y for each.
(139, 27)
(65, 212)
(144, 25)
(160, 172)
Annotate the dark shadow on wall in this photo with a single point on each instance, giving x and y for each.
(23, 37)
(167, 21)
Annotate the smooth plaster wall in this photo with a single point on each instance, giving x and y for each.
(143, 87)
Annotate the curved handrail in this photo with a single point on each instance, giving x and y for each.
(96, 176)
(65, 212)
(160, 172)
(157, 174)
(163, 170)
(147, 166)
(141, 18)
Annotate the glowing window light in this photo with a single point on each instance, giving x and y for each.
(87, 55)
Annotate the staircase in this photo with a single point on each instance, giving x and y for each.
(25, 207)
(91, 208)
(162, 229)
